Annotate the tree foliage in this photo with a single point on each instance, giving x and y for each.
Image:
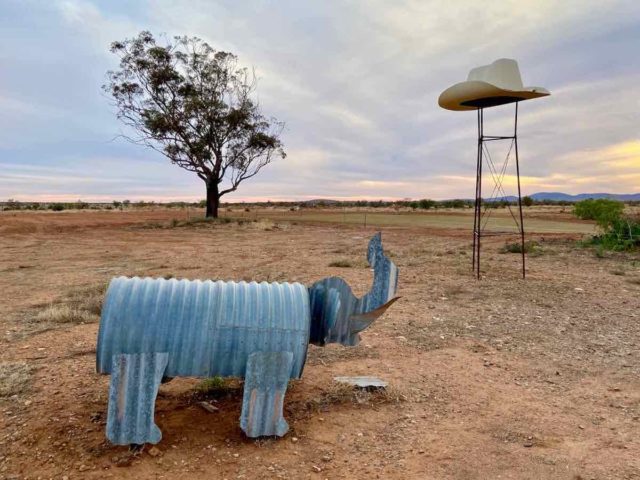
(619, 232)
(195, 105)
(622, 234)
(603, 210)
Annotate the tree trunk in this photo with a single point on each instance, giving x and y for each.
(213, 199)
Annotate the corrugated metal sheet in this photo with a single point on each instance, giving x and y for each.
(335, 309)
(207, 328)
(152, 328)
(385, 281)
(135, 379)
(265, 385)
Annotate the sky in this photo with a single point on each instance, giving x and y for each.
(356, 83)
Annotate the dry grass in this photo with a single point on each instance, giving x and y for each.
(337, 353)
(62, 313)
(457, 219)
(80, 306)
(14, 378)
(532, 248)
(265, 225)
(341, 264)
(342, 394)
(194, 222)
(88, 299)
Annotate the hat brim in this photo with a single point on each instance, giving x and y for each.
(472, 95)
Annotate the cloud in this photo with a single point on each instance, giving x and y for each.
(356, 83)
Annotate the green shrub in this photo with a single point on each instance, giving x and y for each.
(56, 207)
(426, 204)
(603, 210)
(456, 203)
(530, 247)
(12, 204)
(211, 383)
(622, 234)
(619, 232)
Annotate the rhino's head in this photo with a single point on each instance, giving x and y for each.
(337, 316)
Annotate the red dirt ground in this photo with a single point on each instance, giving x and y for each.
(498, 378)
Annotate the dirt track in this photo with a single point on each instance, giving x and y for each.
(502, 378)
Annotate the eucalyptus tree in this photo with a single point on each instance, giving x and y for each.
(196, 106)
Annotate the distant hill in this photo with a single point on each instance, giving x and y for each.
(559, 196)
(565, 197)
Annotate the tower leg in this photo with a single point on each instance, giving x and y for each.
(515, 140)
(475, 207)
(478, 202)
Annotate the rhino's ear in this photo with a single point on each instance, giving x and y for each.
(361, 321)
(374, 250)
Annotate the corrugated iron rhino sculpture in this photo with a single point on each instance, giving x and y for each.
(153, 329)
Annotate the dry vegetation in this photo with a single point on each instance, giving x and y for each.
(79, 306)
(14, 378)
(535, 379)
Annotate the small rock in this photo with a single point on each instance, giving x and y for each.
(123, 460)
(294, 439)
(208, 407)
(236, 455)
(155, 452)
(316, 469)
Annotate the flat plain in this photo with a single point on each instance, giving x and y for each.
(496, 378)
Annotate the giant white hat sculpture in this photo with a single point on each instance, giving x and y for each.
(489, 86)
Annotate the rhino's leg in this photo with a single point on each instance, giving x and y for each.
(265, 384)
(135, 379)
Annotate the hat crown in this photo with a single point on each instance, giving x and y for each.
(503, 73)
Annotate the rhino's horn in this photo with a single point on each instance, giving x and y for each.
(361, 321)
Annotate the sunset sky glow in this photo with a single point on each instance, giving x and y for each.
(356, 83)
